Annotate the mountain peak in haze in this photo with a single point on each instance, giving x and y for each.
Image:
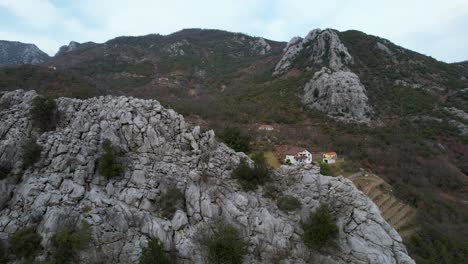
(14, 52)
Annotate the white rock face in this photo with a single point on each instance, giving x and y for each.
(334, 90)
(158, 150)
(340, 94)
(321, 46)
(290, 54)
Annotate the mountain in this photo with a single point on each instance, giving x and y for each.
(14, 52)
(383, 108)
(158, 151)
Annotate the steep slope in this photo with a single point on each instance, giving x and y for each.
(158, 150)
(14, 52)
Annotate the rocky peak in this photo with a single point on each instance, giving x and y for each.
(321, 47)
(73, 45)
(334, 89)
(158, 150)
(14, 52)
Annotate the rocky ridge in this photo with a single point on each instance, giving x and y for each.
(334, 89)
(14, 52)
(158, 150)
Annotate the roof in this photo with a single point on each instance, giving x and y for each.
(329, 155)
(283, 150)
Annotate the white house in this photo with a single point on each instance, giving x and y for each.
(297, 155)
(266, 128)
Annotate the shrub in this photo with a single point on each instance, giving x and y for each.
(224, 244)
(170, 201)
(250, 177)
(321, 229)
(68, 241)
(107, 163)
(154, 254)
(31, 153)
(3, 258)
(270, 191)
(325, 169)
(235, 139)
(25, 243)
(43, 113)
(4, 171)
(288, 203)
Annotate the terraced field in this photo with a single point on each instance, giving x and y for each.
(394, 211)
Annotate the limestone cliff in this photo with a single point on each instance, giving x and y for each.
(159, 149)
(334, 89)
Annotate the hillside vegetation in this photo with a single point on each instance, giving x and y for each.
(225, 79)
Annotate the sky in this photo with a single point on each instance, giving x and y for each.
(438, 28)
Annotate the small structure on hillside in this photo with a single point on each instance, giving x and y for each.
(329, 157)
(294, 155)
(266, 128)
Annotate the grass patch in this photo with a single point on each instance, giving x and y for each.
(154, 253)
(25, 243)
(288, 203)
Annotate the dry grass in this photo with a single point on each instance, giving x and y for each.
(272, 161)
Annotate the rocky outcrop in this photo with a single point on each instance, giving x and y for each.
(321, 47)
(72, 46)
(340, 94)
(68, 48)
(158, 150)
(260, 46)
(334, 89)
(14, 52)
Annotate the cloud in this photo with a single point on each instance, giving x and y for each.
(432, 27)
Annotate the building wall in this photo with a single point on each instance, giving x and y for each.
(293, 161)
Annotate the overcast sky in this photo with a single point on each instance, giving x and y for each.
(438, 28)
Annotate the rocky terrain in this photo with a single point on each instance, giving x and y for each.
(14, 52)
(158, 150)
(334, 89)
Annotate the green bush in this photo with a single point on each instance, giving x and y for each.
(43, 113)
(236, 139)
(107, 163)
(4, 171)
(25, 243)
(250, 177)
(224, 244)
(31, 153)
(325, 169)
(288, 203)
(321, 229)
(68, 241)
(170, 201)
(154, 254)
(3, 258)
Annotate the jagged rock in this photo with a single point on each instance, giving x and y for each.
(384, 48)
(340, 94)
(260, 46)
(64, 186)
(321, 47)
(334, 89)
